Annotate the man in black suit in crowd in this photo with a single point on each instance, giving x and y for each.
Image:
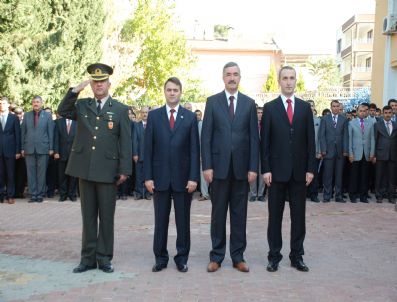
(334, 143)
(288, 163)
(65, 131)
(171, 168)
(10, 151)
(385, 132)
(230, 154)
(138, 151)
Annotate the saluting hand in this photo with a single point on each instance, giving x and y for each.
(81, 86)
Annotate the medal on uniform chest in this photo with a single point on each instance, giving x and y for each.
(110, 123)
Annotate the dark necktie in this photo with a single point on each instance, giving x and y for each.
(290, 113)
(362, 125)
(231, 107)
(389, 129)
(36, 118)
(98, 108)
(334, 118)
(172, 119)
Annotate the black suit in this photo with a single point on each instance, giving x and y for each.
(63, 146)
(288, 152)
(386, 156)
(10, 145)
(230, 147)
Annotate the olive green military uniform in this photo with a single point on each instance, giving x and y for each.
(101, 151)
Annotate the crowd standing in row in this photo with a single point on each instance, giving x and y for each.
(246, 151)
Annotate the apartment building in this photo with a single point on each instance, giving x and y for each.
(354, 48)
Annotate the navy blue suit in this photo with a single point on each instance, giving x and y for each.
(171, 159)
(230, 147)
(63, 146)
(10, 145)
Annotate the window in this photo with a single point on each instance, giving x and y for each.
(368, 63)
(339, 46)
(369, 36)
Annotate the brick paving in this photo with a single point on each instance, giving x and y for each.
(351, 250)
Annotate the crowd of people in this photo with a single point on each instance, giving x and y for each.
(235, 152)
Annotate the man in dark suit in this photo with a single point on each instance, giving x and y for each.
(101, 159)
(385, 132)
(20, 165)
(138, 147)
(230, 159)
(288, 163)
(171, 167)
(393, 104)
(334, 143)
(37, 140)
(10, 150)
(65, 131)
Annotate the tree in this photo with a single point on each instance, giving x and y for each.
(163, 51)
(45, 45)
(271, 84)
(300, 83)
(325, 71)
(221, 31)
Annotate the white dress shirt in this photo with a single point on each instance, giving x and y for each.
(168, 108)
(284, 99)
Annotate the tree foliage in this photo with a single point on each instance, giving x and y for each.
(300, 83)
(163, 51)
(271, 84)
(325, 71)
(45, 45)
(221, 31)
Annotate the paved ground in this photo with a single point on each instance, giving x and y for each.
(351, 250)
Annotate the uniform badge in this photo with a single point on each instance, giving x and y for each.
(110, 121)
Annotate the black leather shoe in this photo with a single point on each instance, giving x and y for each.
(300, 265)
(39, 199)
(81, 268)
(364, 199)
(261, 198)
(315, 199)
(62, 198)
(272, 266)
(106, 268)
(392, 200)
(148, 197)
(340, 199)
(158, 267)
(73, 199)
(326, 200)
(182, 268)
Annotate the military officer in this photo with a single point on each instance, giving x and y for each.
(101, 159)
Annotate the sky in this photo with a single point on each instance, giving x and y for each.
(298, 26)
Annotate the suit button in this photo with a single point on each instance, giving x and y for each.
(96, 128)
(93, 147)
(94, 137)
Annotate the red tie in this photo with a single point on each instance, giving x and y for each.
(68, 126)
(290, 113)
(172, 119)
(36, 118)
(231, 107)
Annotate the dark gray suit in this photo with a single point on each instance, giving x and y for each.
(386, 157)
(36, 142)
(230, 147)
(138, 147)
(333, 142)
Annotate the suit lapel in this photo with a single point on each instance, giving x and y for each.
(224, 105)
(164, 118)
(240, 101)
(92, 105)
(283, 113)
